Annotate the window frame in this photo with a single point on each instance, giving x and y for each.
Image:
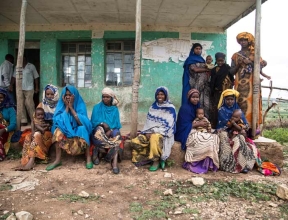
(76, 54)
(122, 52)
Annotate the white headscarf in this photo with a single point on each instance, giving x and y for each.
(110, 92)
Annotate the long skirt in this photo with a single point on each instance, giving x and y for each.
(109, 145)
(73, 146)
(145, 151)
(235, 154)
(36, 146)
(201, 152)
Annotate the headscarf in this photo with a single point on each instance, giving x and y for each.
(217, 77)
(186, 115)
(249, 37)
(49, 105)
(110, 92)
(107, 114)
(66, 122)
(161, 119)
(225, 112)
(192, 59)
(7, 102)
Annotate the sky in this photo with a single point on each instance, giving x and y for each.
(274, 45)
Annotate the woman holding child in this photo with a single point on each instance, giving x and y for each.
(7, 122)
(105, 137)
(193, 131)
(196, 76)
(71, 127)
(38, 141)
(153, 145)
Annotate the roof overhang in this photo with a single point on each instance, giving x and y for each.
(161, 15)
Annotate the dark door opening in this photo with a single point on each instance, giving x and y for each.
(33, 56)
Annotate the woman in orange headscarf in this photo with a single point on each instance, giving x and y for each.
(243, 66)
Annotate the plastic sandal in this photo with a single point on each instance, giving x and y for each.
(52, 167)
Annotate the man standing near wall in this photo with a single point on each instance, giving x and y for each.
(6, 73)
(29, 79)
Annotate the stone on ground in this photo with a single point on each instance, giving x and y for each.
(168, 192)
(23, 215)
(282, 191)
(197, 181)
(84, 194)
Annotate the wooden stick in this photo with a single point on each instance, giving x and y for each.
(137, 72)
(256, 75)
(268, 87)
(19, 67)
(268, 108)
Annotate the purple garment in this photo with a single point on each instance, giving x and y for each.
(201, 166)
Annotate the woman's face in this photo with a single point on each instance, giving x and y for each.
(68, 95)
(244, 42)
(194, 98)
(229, 101)
(2, 97)
(198, 50)
(160, 97)
(49, 94)
(106, 99)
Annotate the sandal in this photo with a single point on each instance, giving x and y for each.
(116, 170)
(162, 164)
(154, 168)
(52, 167)
(89, 165)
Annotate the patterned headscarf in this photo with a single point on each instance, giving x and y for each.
(49, 105)
(249, 37)
(191, 91)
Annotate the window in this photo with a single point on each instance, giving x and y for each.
(119, 63)
(76, 64)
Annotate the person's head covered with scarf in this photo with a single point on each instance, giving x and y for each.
(50, 99)
(5, 102)
(186, 115)
(249, 37)
(226, 106)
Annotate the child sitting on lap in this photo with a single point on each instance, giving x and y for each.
(235, 125)
(199, 118)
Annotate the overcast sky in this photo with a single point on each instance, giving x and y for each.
(274, 45)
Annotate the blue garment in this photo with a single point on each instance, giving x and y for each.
(225, 112)
(7, 102)
(192, 59)
(186, 115)
(107, 114)
(66, 122)
(9, 114)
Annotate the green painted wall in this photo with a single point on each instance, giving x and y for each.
(153, 74)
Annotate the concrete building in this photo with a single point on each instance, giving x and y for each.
(90, 43)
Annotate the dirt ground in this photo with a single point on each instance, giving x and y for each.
(118, 196)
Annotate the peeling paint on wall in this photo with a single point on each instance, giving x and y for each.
(171, 49)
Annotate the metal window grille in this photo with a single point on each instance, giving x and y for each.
(119, 63)
(77, 64)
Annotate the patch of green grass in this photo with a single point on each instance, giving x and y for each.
(278, 134)
(190, 211)
(135, 207)
(14, 154)
(284, 210)
(76, 198)
(3, 217)
(5, 187)
(170, 163)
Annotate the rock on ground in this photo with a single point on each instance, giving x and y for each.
(23, 215)
(198, 181)
(168, 192)
(84, 194)
(272, 151)
(282, 191)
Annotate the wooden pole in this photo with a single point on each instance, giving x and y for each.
(256, 75)
(19, 67)
(137, 72)
(268, 87)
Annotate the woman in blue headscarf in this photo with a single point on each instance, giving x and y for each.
(36, 144)
(106, 126)
(71, 127)
(7, 122)
(196, 76)
(201, 147)
(154, 143)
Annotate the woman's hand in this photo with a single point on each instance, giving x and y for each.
(71, 101)
(65, 101)
(247, 61)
